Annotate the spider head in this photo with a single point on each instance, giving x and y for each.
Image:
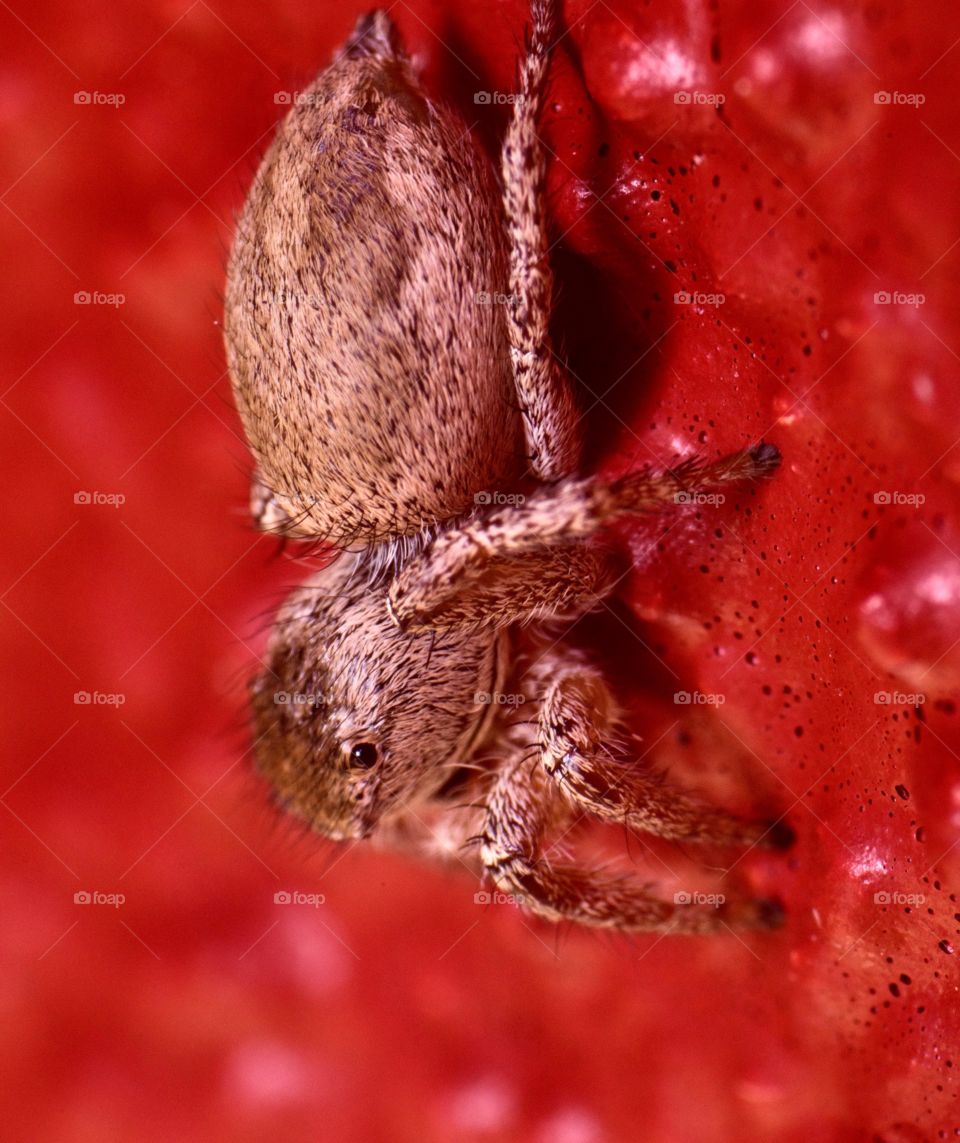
(356, 721)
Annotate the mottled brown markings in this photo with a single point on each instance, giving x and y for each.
(380, 398)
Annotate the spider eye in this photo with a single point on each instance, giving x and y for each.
(364, 754)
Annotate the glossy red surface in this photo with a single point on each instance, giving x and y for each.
(198, 1008)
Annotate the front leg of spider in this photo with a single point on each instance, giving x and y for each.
(580, 748)
(575, 770)
(523, 807)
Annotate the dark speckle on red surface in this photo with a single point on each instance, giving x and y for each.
(757, 238)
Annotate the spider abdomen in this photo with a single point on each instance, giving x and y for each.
(364, 316)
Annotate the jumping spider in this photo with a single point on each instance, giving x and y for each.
(379, 399)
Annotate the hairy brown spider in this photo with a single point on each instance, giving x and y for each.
(381, 401)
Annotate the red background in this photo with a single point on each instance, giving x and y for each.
(399, 1009)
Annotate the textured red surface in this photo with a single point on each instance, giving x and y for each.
(200, 1009)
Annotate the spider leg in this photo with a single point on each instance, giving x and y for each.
(549, 411)
(578, 749)
(520, 536)
(559, 581)
(522, 806)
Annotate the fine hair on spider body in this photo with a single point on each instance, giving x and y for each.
(414, 695)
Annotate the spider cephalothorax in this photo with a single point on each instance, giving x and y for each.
(348, 701)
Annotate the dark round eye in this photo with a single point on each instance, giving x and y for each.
(364, 754)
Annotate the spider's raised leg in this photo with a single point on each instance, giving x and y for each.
(522, 807)
(552, 519)
(543, 389)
